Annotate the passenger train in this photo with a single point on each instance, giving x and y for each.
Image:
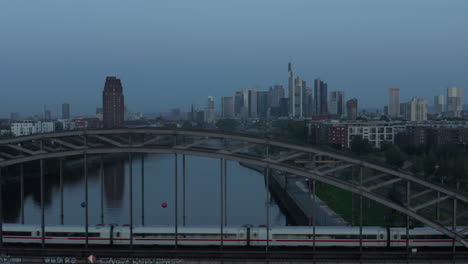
(325, 236)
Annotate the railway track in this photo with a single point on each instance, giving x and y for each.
(201, 254)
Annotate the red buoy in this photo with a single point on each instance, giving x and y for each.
(164, 205)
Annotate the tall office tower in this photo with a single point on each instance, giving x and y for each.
(252, 103)
(336, 106)
(439, 104)
(65, 111)
(227, 107)
(306, 101)
(296, 103)
(418, 109)
(276, 93)
(113, 103)
(394, 102)
(320, 97)
(238, 103)
(210, 103)
(405, 110)
(352, 108)
(454, 101)
(263, 104)
(291, 91)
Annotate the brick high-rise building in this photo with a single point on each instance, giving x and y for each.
(113, 103)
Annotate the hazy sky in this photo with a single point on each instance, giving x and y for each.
(173, 53)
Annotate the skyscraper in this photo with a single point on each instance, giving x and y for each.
(320, 97)
(291, 90)
(227, 106)
(65, 111)
(418, 109)
(113, 103)
(439, 104)
(336, 106)
(352, 108)
(210, 103)
(394, 102)
(238, 104)
(454, 101)
(263, 99)
(276, 93)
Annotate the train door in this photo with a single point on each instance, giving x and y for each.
(395, 237)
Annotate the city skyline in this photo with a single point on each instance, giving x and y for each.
(363, 49)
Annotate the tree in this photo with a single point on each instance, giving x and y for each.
(227, 124)
(360, 146)
(429, 164)
(394, 157)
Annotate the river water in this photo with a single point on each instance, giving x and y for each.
(246, 195)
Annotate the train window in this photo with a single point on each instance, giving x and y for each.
(38, 233)
(71, 234)
(16, 233)
(381, 236)
(117, 234)
(395, 236)
(154, 235)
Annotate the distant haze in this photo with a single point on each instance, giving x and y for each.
(174, 53)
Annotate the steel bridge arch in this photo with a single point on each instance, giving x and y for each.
(235, 147)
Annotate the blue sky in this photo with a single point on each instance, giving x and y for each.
(175, 53)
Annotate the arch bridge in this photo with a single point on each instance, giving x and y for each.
(430, 204)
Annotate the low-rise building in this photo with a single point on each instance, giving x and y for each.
(29, 127)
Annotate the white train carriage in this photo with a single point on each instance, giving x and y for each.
(15, 233)
(325, 236)
(97, 235)
(193, 236)
(422, 237)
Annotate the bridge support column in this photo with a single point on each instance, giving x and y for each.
(454, 225)
(61, 191)
(22, 192)
(1, 209)
(41, 172)
(225, 192)
(175, 200)
(408, 205)
(313, 215)
(221, 202)
(267, 176)
(143, 190)
(130, 166)
(183, 189)
(85, 172)
(267, 203)
(360, 209)
(101, 176)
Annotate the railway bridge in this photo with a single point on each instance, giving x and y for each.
(423, 201)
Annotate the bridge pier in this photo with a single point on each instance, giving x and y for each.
(41, 165)
(22, 192)
(1, 209)
(176, 202)
(85, 172)
(101, 176)
(143, 190)
(130, 157)
(61, 189)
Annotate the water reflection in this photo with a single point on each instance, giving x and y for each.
(245, 193)
(114, 183)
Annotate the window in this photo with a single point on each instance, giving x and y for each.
(71, 234)
(16, 233)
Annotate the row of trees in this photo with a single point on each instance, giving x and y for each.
(447, 164)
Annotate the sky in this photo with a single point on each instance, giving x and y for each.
(174, 53)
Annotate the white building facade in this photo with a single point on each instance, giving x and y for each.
(30, 127)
